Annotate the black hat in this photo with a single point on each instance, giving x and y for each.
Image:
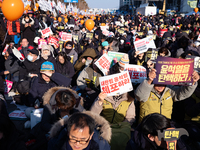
(34, 51)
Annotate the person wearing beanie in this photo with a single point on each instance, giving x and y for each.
(105, 47)
(69, 50)
(47, 79)
(123, 61)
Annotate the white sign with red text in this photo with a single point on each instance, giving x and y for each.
(116, 84)
(66, 36)
(46, 32)
(137, 73)
(103, 63)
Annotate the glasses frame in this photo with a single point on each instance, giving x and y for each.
(75, 141)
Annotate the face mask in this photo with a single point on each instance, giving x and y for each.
(122, 41)
(30, 58)
(88, 62)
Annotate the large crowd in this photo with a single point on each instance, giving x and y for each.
(61, 78)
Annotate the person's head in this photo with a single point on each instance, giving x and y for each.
(80, 129)
(65, 100)
(24, 42)
(33, 55)
(123, 61)
(151, 124)
(45, 50)
(159, 88)
(62, 57)
(68, 45)
(105, 45)
(163, 51)
(47, 68)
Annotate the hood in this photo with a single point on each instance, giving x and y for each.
(89, 52)
(104, 126)
(31, 21)
(49, 96)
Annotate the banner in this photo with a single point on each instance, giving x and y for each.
(151, 54)
(66, 36)
(174, 71)
(137, 73)
(89, 35)
(17, 115)
(41, 42)
(116, 84)
(196, 62)
(114, 57)
(47, 32)
(103, 63)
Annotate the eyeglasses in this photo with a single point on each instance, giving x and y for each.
(69, 45)
(80, 141)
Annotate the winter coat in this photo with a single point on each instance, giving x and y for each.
(29, 67)
(73, 54)
(28, 32)
(66, 69)
(39, 86)
(50, 59)
(88, 53)
(87, 73)
(129, 112)
(24, 50)
(99, 141)
(145, 93)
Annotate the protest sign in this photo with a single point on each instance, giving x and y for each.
(89, 35)
(150, 42)
(198, 39)
(46, 32)
(151, 54)
(137, 73)
(41, 42)
(162, 31)
(104, 28)
(75, 38)
(103, 63)
(66, 36)
(141, 46)
(70, 26)
(117, 23)
(140, 33)
(60, 46)
(53, 41)
(196, 62)
(114, 57)
(17, 115)
(174, 71)
(116, 84)
(105, 32)
(120, 31)
(5, 49)
(7, 86)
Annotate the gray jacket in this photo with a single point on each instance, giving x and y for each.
(178, 93)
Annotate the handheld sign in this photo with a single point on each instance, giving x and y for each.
(114, 56)
(137, 73)
(103, 63)
(66, 36)
(5, 49)
(18, 54)
(41, 42)
(53, 41)
(75, 38)
(7, 86)
(196, 62)
(151, 54)
(141, 46)
(116, 84)
(174, 71)
(89, 35)
(46, 32)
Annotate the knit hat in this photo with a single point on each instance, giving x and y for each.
(124, 60)
(47, 66)
(105, 43)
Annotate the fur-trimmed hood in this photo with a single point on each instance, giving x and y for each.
(31, 21)
(101, 123)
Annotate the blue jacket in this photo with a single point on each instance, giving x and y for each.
(39, 86)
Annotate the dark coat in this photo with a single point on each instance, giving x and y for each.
(50, 59)
(39, 86)
(100, 139)
(28, 32)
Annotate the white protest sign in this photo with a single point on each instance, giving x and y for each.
(141, 46)
(105, 32)
(66, 36)
(17, 114)
(116, 84)
(137, 73)
(41, 42)
(46, 32)
(198, 39)
(103, 63)
(70, 25)
(150, 42)
(117, 23)
(104, 28)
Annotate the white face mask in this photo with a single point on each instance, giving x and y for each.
(88, 62)
(30, 58)
(122, 41)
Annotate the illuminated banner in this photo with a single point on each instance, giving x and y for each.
(174, 71)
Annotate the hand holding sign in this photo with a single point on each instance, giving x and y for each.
(102, 96)
(152, 75)
(195, 77)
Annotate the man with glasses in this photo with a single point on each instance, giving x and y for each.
(79, 133)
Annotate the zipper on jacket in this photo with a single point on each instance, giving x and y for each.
(113, 116)
(160, 106)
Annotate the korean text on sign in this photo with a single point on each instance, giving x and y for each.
(137, 73)
(116, 84)
(141, 46)
(173, 71)
(46, 32)
(66, 36)
(103, 63)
